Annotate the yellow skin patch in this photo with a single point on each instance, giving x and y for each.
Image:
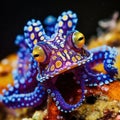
(74, 59)
(59, 53)
(65, 17)
(65, 51)
(42, 38)
(69, 23)
(60, 30)
(30, 28)
(41, 57)
(35, 42)
(78, 57)
(52, 68)
(54, 57)
(39, 34)
(37, 29)
(32, 36)
(53, 52)
(60, 24)
(58, 64)
(78, 39)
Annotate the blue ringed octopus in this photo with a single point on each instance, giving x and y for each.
(43, 59)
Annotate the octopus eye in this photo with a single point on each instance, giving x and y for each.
(39, 54)
(78, 39)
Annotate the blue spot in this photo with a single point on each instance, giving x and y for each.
(22, 104)
(58, 107)
(25, 98)
(40, 96)
(17, 85)
(64, 13)
(69, 12)
(38, 99)
(48, 90)
(104, 76)
(109, 61)
(13, 100)
(27, 104)
(109, 65)
(18, 99)
(106, 82)
(22, 80)
(52, 94)
(57, 102)
(33, 20)
(6, 93)
(38, 22)
(6, 100)
(29, 23)
(11, 88)
(101, 83)
(31, 103)
(75, 20)
(98, 78)
(74, 16)
(30, 80)
(100, 55)
(29, 98)
(25, 28)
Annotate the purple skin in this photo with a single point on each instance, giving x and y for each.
(34, 81)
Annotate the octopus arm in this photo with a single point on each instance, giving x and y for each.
(105, 55)
(61, 104)
(24, 80)
(109, 61)
(50, 22)
(66, 22)
(17, 100)
(34, 33)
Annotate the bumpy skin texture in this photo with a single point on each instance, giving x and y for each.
(34, 80)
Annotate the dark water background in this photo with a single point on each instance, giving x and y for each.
(15, 14)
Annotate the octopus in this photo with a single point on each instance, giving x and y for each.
(47, 62)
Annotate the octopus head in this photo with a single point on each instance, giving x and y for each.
(60, 54)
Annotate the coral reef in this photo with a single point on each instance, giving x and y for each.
(102, 109)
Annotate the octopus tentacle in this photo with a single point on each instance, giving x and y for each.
(25, 100)
(105, 55)
(109, 62)
(60, 102)
(34, 33)
(25, 74)
(50, 23)
(24, 82)
(66, 22)
(26, 90)
(96, 79)
(23, 55)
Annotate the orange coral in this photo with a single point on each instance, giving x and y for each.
(112, 90)
(53, 112)
(6, 67)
